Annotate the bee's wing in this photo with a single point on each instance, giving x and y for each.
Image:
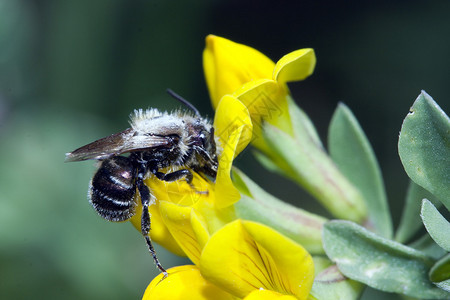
(116, 144)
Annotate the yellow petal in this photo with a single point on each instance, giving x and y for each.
(177, 192)
(215, 217)
(187, 228)
(257, 257)
(184, 282)
(159, 233)
(268, 295)
(295, 66)
(266, 101)
(293, 261)
(226, 193)
(230, 116)
(234, 132)
(228, 65)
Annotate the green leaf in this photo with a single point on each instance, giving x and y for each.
(437, 226)
(424, 147)
(410, 221)
(351, 151)
(331, 284)
(271, 165)
(320, 264)
(310, 166)
(440, 273)
(378, 262)
(445, 285)
(428, 246)
(302, 124)
(259, 206)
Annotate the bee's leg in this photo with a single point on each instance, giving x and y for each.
(211, 168)
(177, 175)
(145, 221)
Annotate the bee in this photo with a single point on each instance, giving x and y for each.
(181, 141)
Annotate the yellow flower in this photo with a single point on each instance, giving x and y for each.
(257, 257)
(242, 260)
(285, 136)
(178, 192)
(211, 202)
(184, 282)
(201, 226)
(268, 295)
(250, 76)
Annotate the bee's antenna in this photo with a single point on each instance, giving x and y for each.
(184, 101)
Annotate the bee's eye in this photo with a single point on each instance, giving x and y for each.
(203, 139)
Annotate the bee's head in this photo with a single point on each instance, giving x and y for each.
(209, 144)
(204, 146)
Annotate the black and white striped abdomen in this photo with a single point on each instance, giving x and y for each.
(112, 189)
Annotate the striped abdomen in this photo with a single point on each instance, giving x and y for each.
(112, 189)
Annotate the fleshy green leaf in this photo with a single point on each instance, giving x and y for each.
(428, 246)
(445, 285)
(302, 126)
(440, 273)
(321, 263)
(331, 284)
(314, 170)
(295, 223)
(303, 159)
(437, 226)
(410, 221)
(378, 262)
(351, 151)
(270, 165)
(302, 123)
(424, 147)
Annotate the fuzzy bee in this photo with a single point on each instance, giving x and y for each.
(155, 141)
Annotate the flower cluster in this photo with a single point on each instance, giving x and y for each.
(246, 244)
(232, 258)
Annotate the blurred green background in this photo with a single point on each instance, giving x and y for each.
(72, 71)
